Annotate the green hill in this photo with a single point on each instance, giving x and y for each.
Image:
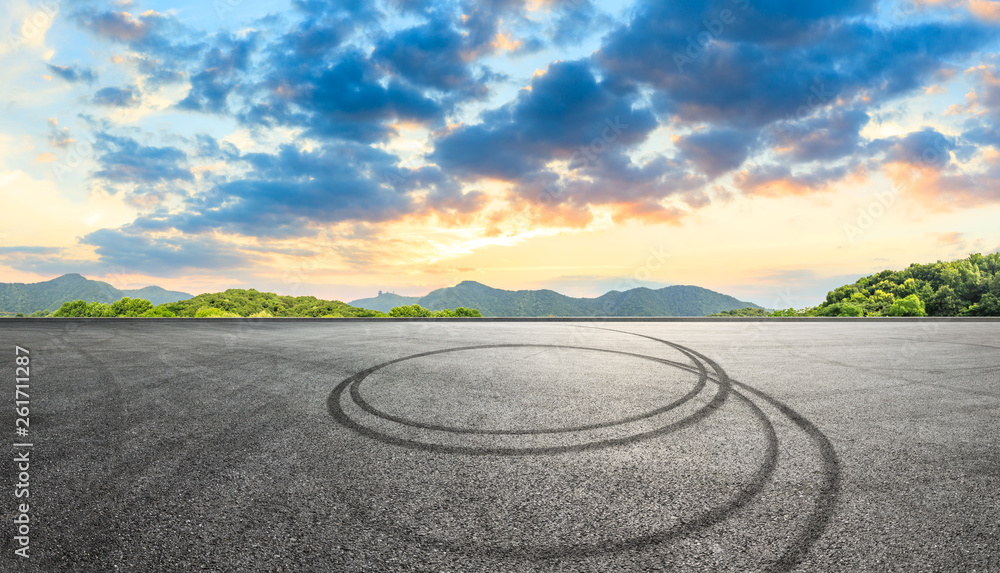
(385, 301)
(242, 302)
(966, 287)
(50, 295)
(668, 301)
(155, 294)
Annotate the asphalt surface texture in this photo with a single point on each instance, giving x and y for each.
(343, 446)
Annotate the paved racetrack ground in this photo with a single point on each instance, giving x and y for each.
(195, 445)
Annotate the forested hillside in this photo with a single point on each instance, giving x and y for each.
(678, 300)
(966, 287)
(47, 296)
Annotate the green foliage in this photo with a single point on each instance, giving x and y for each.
(50, 295)
(158, 312)
(747, 311)
(417, 311)
(910, 305)
(988, 305)
(250, 302)
(784, 312)
(210, 312)
(411, 311)
(969, 286)
(74, 309)
(126, 307)
(131, 307)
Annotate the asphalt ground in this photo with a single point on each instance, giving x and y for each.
(327, 445)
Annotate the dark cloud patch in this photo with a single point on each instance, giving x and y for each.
(208, 146)
(290, 192)
(127, 96)
(827, 136)
(155, 256)
(157, 72)
(576, 21)
(150, 32)
(567, 114)
(776, 180)
(717, 151)
(775, 60)
(349, 99)
(219, 74)
(925, 147)
(73, 74)
(983, 134)
(432, 55)
(125, 160)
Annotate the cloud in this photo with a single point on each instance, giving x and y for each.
(567, 114)
(294, 192)
(219, 75)
(30, 250)
(717, 151)
(163, 256)
(127, 96)
(827, 136)
(73, 74)
(125, 160)
(150, 32)
(432, 55)
(774, 58)
(349, 99)
(775, 180)
(58, 137)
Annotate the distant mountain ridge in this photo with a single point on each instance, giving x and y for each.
(385, 301)
(50, 295)
(681, 300)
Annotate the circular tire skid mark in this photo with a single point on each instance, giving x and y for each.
(734, 499)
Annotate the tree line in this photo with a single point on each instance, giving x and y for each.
(245, 303)
(966, 287)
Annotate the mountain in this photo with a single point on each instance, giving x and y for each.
(49, 295)
(385, 301)
(156, 295)
(668, 301)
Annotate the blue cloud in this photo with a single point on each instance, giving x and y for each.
(567, 114)
(124, 160)
(349, 99)
(30, 250)
(718, 151)
(219, 75)
(127, 96)
(149, 33)
(155, 256)
(73, 74)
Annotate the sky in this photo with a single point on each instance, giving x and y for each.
(770, 150)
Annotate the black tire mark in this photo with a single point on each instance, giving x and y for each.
(335, 409)
(702, 379)
(829, 492)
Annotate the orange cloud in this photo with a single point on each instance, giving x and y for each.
(988, 10)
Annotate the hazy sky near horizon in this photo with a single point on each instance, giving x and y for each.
(770, 150)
